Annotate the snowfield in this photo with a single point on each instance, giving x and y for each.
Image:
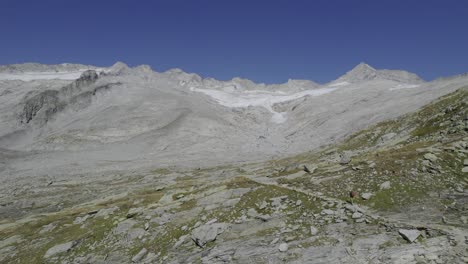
(31, 76)
(266, 99)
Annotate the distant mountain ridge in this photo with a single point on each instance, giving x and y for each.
(37, 67)
(361, 72)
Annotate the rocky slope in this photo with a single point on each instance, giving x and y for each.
(128, 165)
(392, 193)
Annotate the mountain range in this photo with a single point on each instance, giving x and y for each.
(129, 165)
(137, 115)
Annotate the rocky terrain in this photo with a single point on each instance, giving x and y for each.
(127, 165)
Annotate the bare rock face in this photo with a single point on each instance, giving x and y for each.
(44, 105)
(87, 78)
(47, 100)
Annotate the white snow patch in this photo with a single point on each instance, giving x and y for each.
(261, 98)
(404, 86)
(30, 76)
(339, 84)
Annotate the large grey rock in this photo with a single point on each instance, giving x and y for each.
(283, 247)
(207, 233)
(366, 196)
(409, 234)
(313, 230)
(124, 226)
(140, 255)
(430, 157)
(58, 249)
(356, 215)
(388, 137)
(106, 212)
(134, 212)
(345, 159)
(385, 185)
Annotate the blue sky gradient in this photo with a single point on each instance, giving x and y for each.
(266, 41)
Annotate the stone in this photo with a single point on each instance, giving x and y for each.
(356, 215)
(409, 234)
(124, 226)
(344, 159)
(47, 228)
(274, 241)
(106, 212)
(366, 196)
(328, 212)
(430, 157)
(81, 219)
(313, 230)
(135, 233)
(263, 205)
(151, 258)
(388, 137)
(309, 169)
(385, 185)
(212, 221)
(254, 214)
(298, 203)
(207, 233)
(180, 241)
(464, 219)
(140, 255)
(62, 248)
(465, 162)
(134, 212)
(147, 226)
(283, 247)
(465, 170)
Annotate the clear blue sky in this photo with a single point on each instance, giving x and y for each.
(266, 41)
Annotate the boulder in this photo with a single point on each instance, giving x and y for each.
(388, 137)
(356, 215)
(310, 169)
(313, 230)
(409, 234)
(385, 185)
(140, 255)
(106, 212)
(134, 212)
(366, 196)
(344, 159)
(62, 248)
(207, 233)
(430, 157)
(283, 247)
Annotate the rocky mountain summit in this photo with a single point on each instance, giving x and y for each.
(364, 72)
(129, 165)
